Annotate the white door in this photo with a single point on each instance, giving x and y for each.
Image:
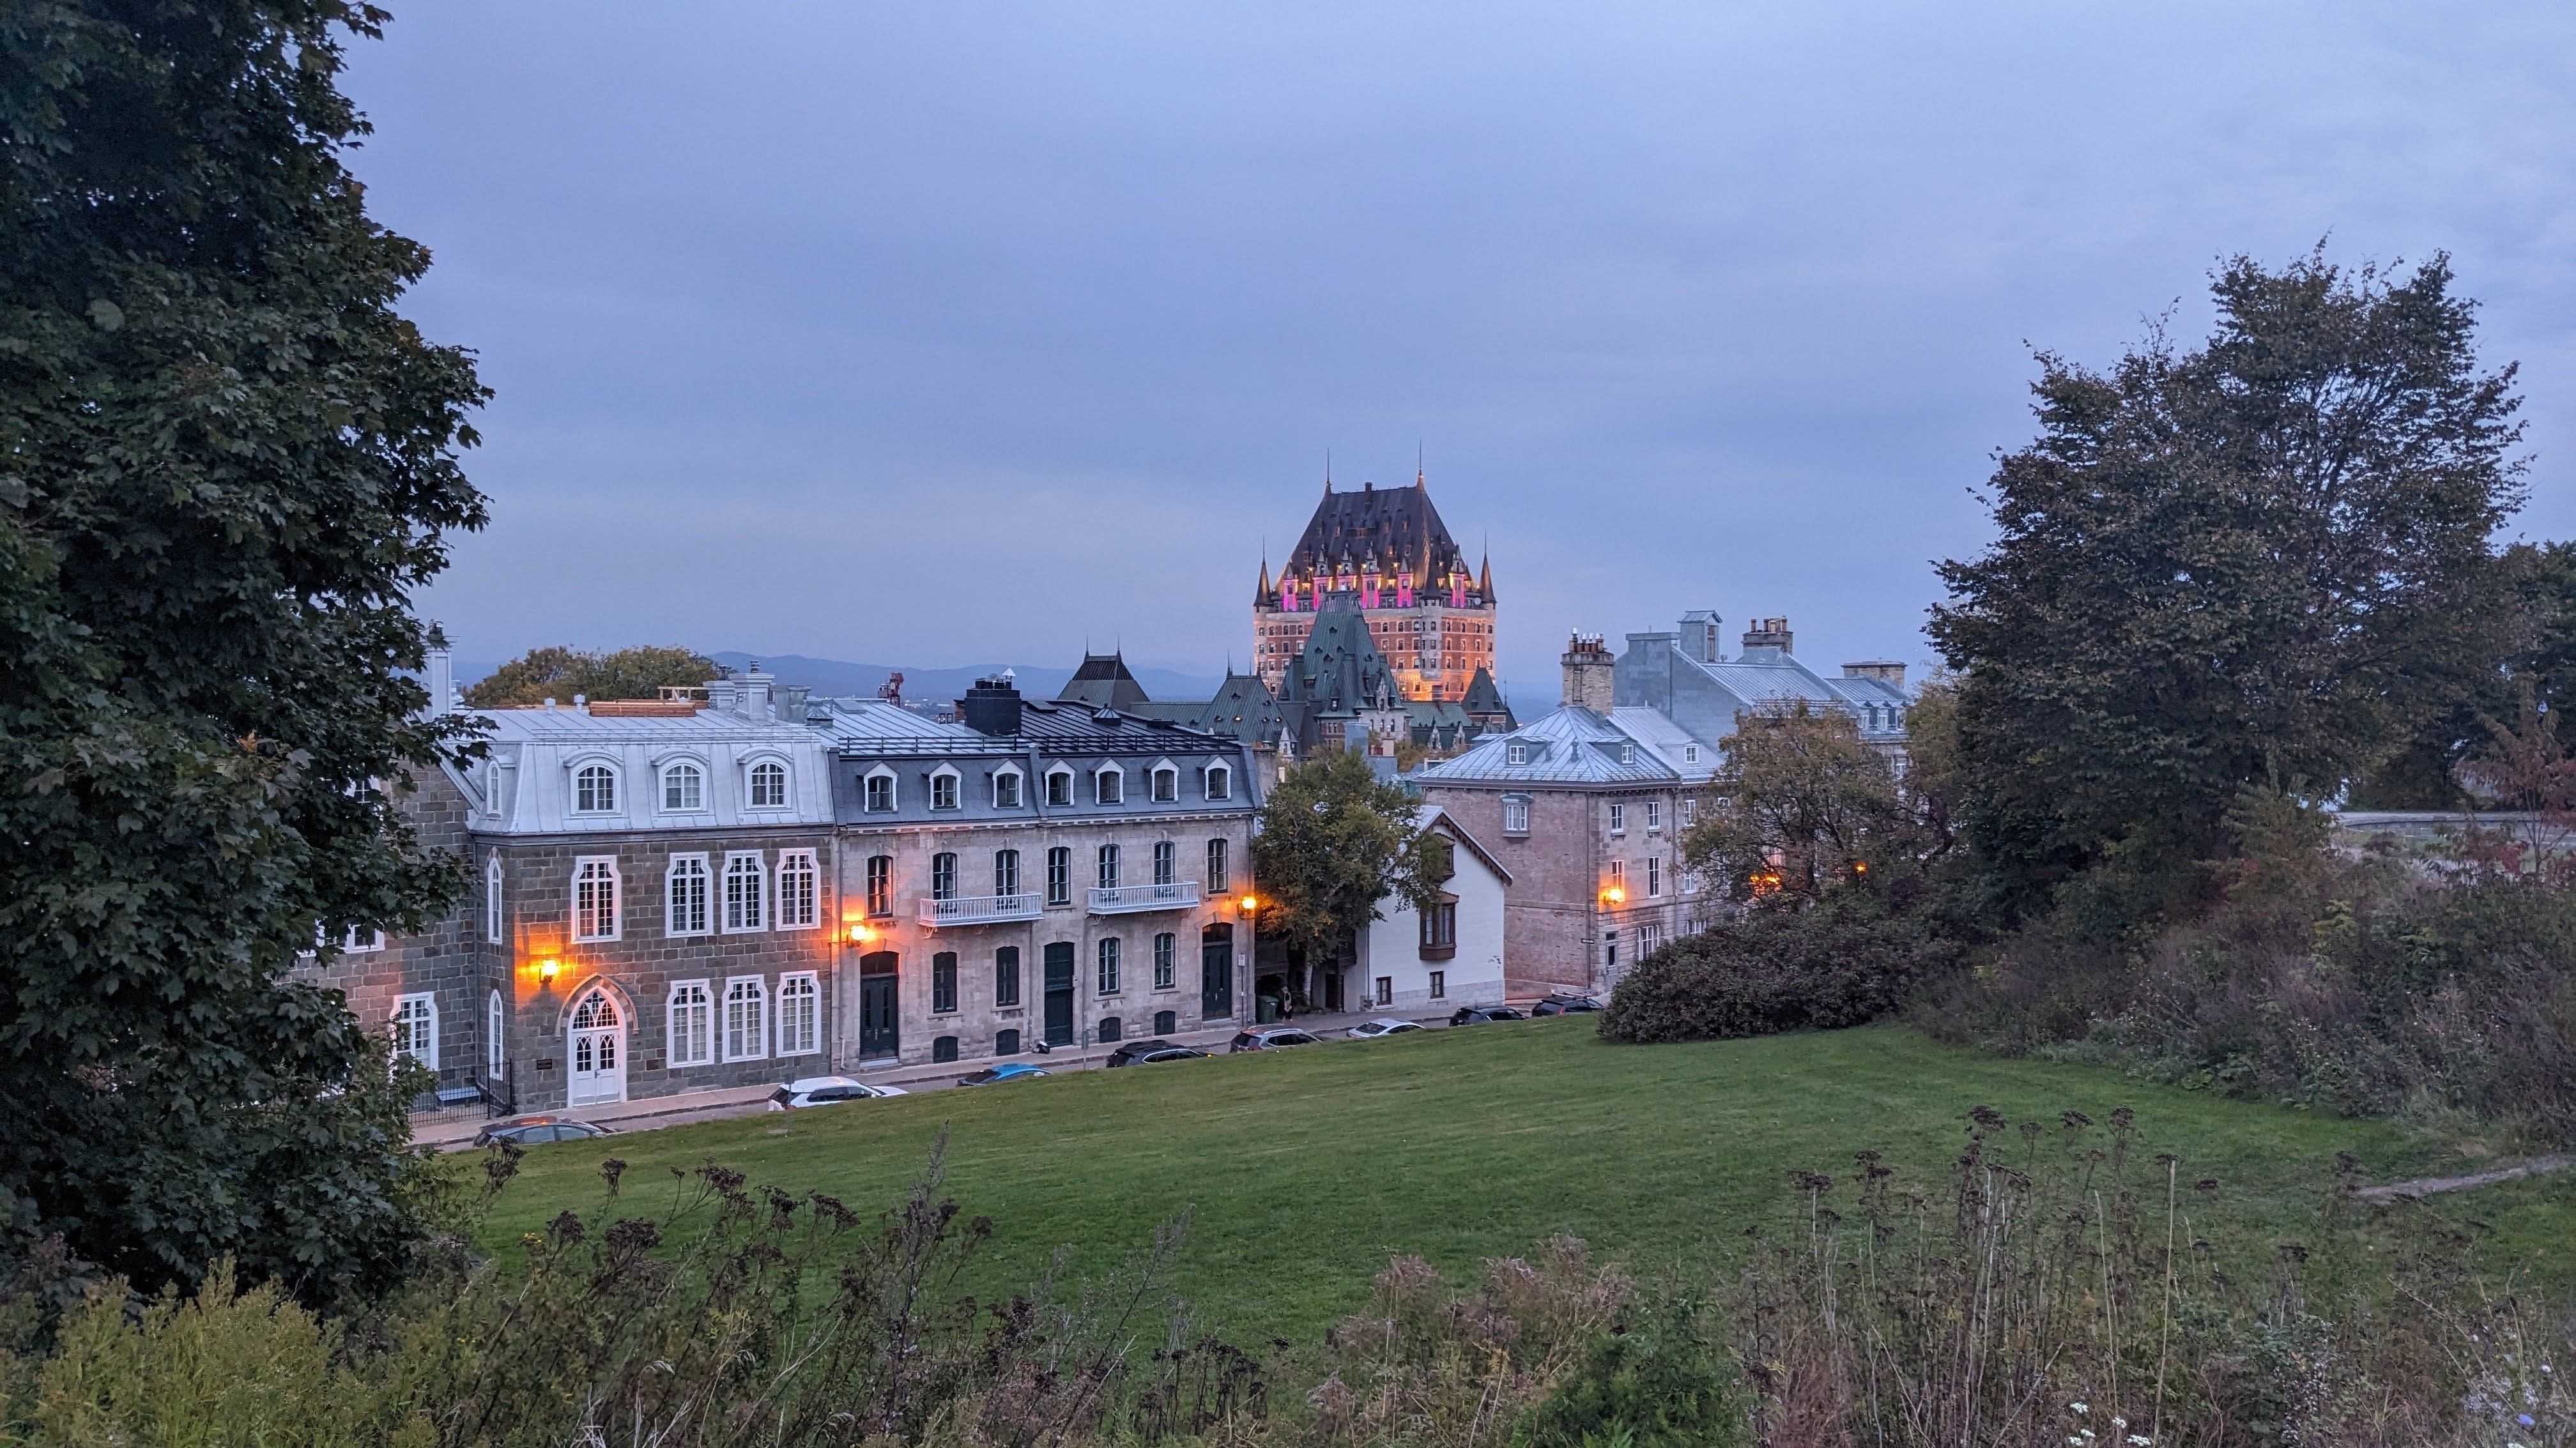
(598, 1049)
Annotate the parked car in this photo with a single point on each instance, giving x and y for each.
(1141, 1053)
(536, 1130)
(1565, 1005)
(1271, 1038)
(1007, 1071)
(1382, 1026)
(825, 1091)
(1471, 1015)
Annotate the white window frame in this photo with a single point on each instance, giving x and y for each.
(1064, 797)
(694, 796)
(1516, 806)
(581, 769)
(496, 1035)
(1006, 880)
(1654, 817)
(1109, 866)
(691, 1033)
(1103, 792)
(677, 922)
(1654, 876)
(1690, 754)
(807, 899)
(1019, 779)
(1167, 862)
(741, 991)
(751, 785)
(755, 920)
(415, 1028)
(1163, 783)
(947, 775)
(495, 926)
(800, 1014)
(1167, 951)
(868, 795)
(1112, 965)
(1220, 782)
(1220, 865)
(1618, 818)
(1515, 753)
(1690, 813)
(606, 865)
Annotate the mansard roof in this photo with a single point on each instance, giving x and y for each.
(1339, 670)
(1103, 682)
(1396, 526)
(1483, 697)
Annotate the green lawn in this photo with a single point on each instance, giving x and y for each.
(1307, 1168)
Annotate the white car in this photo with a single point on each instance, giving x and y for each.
(825, 1091)
(1381, 1027)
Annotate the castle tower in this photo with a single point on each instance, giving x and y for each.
(1429, 616)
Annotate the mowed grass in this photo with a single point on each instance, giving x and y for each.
(1304, 1170)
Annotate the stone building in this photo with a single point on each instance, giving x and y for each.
(1387, 552)
(1584, 810)
(1041, 871)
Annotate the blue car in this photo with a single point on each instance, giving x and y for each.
(1007, 1071)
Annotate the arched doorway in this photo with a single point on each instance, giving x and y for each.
(596, 1044)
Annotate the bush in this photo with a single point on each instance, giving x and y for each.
(1840, 964)
(1665, 1386)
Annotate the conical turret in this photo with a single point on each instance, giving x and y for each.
(1485, 579)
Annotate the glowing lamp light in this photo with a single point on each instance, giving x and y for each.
(1247, 904)
(861, 934)
(1614, 896)
(548, 969)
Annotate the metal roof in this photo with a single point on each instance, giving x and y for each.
(1571, 745)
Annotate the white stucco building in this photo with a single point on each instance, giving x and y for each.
(1409, 962)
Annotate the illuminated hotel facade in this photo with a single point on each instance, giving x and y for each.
(1428, 616)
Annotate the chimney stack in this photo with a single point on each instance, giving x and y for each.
(992, 707)
(1886, 671)
(1589, 673)
(1767, 634)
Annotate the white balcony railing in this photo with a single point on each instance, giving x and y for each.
(1125, 899)
(977, 909)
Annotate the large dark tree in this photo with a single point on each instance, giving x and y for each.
(224, 461)
(1335, 844)
(2262, 560)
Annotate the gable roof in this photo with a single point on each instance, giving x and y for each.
(1430, 815)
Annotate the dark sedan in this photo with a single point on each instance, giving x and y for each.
(536, 1130)
(1472, 1015)
(1145, 1053)
(1566, 1005)
(1271, 1038)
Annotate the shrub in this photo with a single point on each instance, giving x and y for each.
(1840, 964)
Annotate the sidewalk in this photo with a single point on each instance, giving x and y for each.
(453, 1129)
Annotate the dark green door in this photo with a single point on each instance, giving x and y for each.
(1059, 993)
(1216, 972)
(879, 1034)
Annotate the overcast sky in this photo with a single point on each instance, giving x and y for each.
(956, 333)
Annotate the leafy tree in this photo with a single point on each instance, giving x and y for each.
(560, 673)
(1333, 843)
(1800, 805)
(2263, 559)
(225, 463)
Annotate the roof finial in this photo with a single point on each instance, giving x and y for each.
(1328, 470)
(1417, 462)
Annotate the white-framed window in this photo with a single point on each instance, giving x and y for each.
(1108, 861)
(1059, 876)
(1690, 813)
(496, 1035)
(1167, 784)
(943, 875)
(1006, 788)
(1654, 875)
(1166, 960)
(943, 788)
(1649, 936)
(1516, 814)
(594, 790)
(799, 904)
(1619, 876)
(769, 785)
(1006, 872)
(1220, 878)
(1690, 754)
(1627, 754)
(1108, 785)
(686, 888)
(1059, 785)
(746, 892)
(1220, 782)
(594, 898)
(684, 787)
(1516, 753)
(1109, 950)
(1654, 817)
(1618, 819)
(1167, 862)
(362, 942)
(416, 1029)
(493, 925)
(877, 794)
(800, 1014)
(746, 1018)
(693, 1024)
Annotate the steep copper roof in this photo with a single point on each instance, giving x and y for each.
(1396, 526)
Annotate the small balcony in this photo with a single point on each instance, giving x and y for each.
(977, 909)
(1130, 899)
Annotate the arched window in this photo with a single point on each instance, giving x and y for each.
(943, 788)
(943, 1048)
(684, 787)
(1059, 785)
(1006, 789)
(496, 1035)
(594, 899)
(595, 1013)
(1220, 782)
(1006, 1043)
(1006, 872)
(594, 790)
(879, 790)
(769, 786)
(943, 876)
(1167, 784)
(1108, 785)
(693, 1035)
(746, 1019)
(745, 893)
(1219, 879)
(880, 884)
(1111, 1030)
(687, 888)
(493, 924)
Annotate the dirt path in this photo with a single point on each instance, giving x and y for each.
(2427, 1186)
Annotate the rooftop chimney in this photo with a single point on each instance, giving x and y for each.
(1886, 671)
(1589, 673)
(1767, 634)
(992, 706)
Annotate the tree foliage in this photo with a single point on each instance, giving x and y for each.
(225, 461)
(560, 673)
(1800, 804)
(1334, 842)
(2265, 559)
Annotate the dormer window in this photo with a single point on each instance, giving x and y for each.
(1627, 754)
(1109, 785)
(1690, 754)
(1167, 784)
(684, 787)
(1220, 782)
(1059, 785)
(1006, 791)
(877, 791)
(943, 788)
(594, 790)
(769, 785)
(1516, 753)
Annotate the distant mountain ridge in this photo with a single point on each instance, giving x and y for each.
(838, 677)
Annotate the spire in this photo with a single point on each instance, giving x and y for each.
(1485, 579)
(1261, 595)
(1417, 465)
